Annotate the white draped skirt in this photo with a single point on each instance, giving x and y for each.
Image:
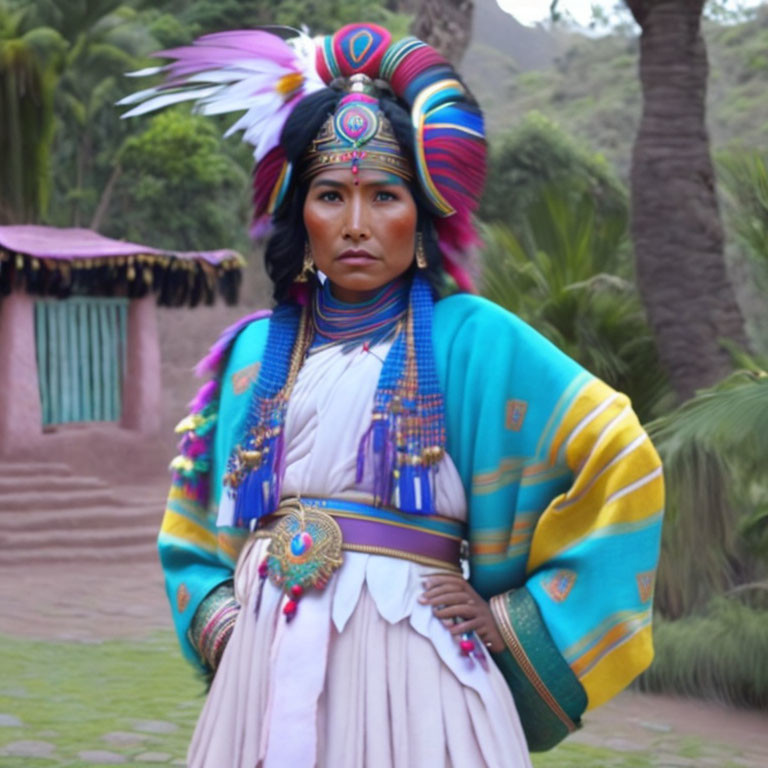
(364, 676)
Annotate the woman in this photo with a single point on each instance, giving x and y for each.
(365, 427)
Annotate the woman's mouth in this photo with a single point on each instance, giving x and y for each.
(356, 257)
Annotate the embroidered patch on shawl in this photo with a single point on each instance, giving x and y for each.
(182, 598)
(516, 410)
(645, 581)
(559, 585)
(243, 378)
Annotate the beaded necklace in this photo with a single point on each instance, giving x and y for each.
(371, 321)
(406, 438)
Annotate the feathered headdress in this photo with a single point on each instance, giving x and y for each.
(266, 72)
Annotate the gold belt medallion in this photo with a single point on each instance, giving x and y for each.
(304, 551)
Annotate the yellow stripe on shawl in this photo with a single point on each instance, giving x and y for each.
(183, 528)
(618, 667)
(231, 543)
(610, 639)
(620, 483)
(588, 405)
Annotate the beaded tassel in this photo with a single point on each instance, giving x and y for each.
(255, 469)
(406, 439)
(407, 434)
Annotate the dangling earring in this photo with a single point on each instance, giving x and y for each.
(421, 257)
(307, 268)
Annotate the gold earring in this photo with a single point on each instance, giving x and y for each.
(307, 268)
(421, 257)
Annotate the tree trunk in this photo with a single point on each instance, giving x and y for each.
(676, 224)
(106, 198)
(446, 25)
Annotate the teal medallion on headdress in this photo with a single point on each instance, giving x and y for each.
(356, 123)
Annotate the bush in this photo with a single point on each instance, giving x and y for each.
(720, 654)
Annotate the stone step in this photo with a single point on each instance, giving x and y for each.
(142, 513)
(119, 554)
(104, 538)
(35, 498)
(61, 485)
(34, 469)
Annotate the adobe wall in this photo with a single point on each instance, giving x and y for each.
(20, 410)
(186, 335)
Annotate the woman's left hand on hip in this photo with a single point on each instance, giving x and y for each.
(455, 602)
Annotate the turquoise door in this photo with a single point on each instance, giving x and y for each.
(80, 358)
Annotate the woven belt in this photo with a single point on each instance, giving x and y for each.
(430, 540)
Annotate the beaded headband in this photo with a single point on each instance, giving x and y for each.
(358, 136)
(265, 73)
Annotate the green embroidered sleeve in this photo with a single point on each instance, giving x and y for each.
(548, 696)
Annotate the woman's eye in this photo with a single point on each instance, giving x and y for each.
(329, 196)
(383, 195)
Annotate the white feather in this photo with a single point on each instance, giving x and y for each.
(167, 99)
(146, 72)
(246, 85)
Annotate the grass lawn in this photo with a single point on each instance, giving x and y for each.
(128, 698)
(61, 704)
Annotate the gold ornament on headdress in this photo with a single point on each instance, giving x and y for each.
(357, 136)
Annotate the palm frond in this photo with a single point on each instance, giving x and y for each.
(565, 271)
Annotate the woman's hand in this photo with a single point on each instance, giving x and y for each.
(452, 597)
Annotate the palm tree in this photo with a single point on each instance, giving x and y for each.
(29, 58)
(105, 39)
(676, 226)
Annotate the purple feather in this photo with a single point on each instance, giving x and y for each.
(204, 396)
(196, 447)
(220, 49)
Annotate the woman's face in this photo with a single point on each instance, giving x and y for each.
(361, 235)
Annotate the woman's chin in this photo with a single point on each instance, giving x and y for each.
(359, 280)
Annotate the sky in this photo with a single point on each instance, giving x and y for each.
(531, 11)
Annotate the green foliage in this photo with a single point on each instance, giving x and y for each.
(538, 153)
(319, 17)
(744, 179)
(29, 58)
(715, 449)
(717, 655)
(180, 189)
(563, 271)
(593, 87)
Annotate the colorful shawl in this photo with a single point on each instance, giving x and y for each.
(565, 498)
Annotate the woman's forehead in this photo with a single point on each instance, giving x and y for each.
(365, 177)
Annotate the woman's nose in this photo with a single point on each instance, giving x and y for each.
(357, 219)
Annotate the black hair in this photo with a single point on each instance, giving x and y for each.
(284, 254)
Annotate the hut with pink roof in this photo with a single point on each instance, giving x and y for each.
(78, 334)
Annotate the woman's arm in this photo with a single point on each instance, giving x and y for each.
(565, 497)
(198, 557)
(584, 612)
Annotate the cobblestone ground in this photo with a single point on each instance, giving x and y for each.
(91, 677)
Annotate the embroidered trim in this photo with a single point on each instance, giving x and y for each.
(500, 614)
(559, 585)
(645, 583)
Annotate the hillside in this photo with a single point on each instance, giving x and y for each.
(590, 86)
